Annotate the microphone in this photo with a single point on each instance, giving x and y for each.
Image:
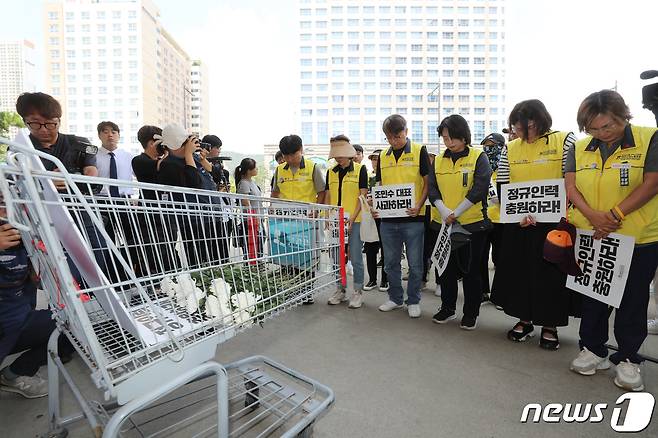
(649, 74)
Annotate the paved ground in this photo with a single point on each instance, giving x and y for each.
(397, 377)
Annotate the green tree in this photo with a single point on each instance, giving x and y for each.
(7, 120)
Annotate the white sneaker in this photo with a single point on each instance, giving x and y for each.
(414, 310)
(337, 298)
(628, 376)
(437, 291)
(652, 326)
(423, 285)
(28, 387)
(587, 363)
(357, 300)
(388, 306)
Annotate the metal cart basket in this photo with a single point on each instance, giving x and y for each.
(147, 285)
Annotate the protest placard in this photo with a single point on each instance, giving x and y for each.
(393, 200)
(605, 264)
(546, 200)
(441, 251)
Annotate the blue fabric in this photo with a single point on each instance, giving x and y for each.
(394, 235)
(356, 255)
(292, 241)
(114, 190)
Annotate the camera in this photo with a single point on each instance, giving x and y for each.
(205, 146)
(80, 149)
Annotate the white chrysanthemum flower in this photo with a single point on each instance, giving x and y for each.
(168, 286)
(220, 289)
(187, 283)
(192, 304)
(242, 317)
(245, 301)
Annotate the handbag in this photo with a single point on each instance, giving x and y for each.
(368, 231)
(459, 236)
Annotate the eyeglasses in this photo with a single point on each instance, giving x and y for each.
(608, 127)
(35, 126)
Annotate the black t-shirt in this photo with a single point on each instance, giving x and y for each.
(62, 149)
(145, 169)
(175, 172)
(363, 179)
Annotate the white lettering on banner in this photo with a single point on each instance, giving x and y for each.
(605, 264)
(393, 200)
(545, 200)
(441, 252)
(151, 326)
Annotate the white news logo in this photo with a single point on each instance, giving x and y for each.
(637, 417)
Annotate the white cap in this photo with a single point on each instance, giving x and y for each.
(173, 136)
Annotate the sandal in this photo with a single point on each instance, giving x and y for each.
(549, 344)
(527, 332)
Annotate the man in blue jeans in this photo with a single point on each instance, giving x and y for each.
(403, 163)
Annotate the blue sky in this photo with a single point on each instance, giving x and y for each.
(557, 50)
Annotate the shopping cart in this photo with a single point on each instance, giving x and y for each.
(147, 286)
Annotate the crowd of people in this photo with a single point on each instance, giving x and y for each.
(611, 176)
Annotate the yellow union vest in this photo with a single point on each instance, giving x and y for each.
(604, 185)
(493, 211)
(539, 160)
(455, 180)
(404, 171)
(297, 187)
(349, 191)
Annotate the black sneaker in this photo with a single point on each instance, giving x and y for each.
(383, 286)
(468, 323)
(443, 316)
(308, 301)
(370, 285)
(380, 263)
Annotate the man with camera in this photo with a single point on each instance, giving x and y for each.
(219, 174)
(41, 114)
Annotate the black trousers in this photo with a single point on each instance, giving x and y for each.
(465, 262)
(431, 234)
(492, 242)
(372, 249)
(631, 317)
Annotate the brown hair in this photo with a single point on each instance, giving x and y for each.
(42, 103)
(107, 124)
(394, 124)
(146, 133)
(602, 102)
(339, 137)
(527, 110)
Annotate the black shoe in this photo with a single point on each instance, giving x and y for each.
(308, 301)
(468, 322)
(384, 286)
(515, 336)
(485, 297)
(443, 316)
(370, 285)
(380, 263)
(549, 344)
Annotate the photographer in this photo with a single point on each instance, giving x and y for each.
(187, 166)
(219, 174)
(41, 114)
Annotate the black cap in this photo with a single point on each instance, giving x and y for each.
(214, 141)
(495, 137)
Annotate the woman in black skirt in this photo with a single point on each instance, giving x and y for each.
(525, 285)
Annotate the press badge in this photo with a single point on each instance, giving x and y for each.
(624, 177)
(465, 173)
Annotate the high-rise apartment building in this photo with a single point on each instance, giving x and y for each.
(424, 59)
(113, 60)
(17, 72)
(199, 96)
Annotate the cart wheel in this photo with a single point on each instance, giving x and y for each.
(307, 432)
(252, 395)
(58, 433)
